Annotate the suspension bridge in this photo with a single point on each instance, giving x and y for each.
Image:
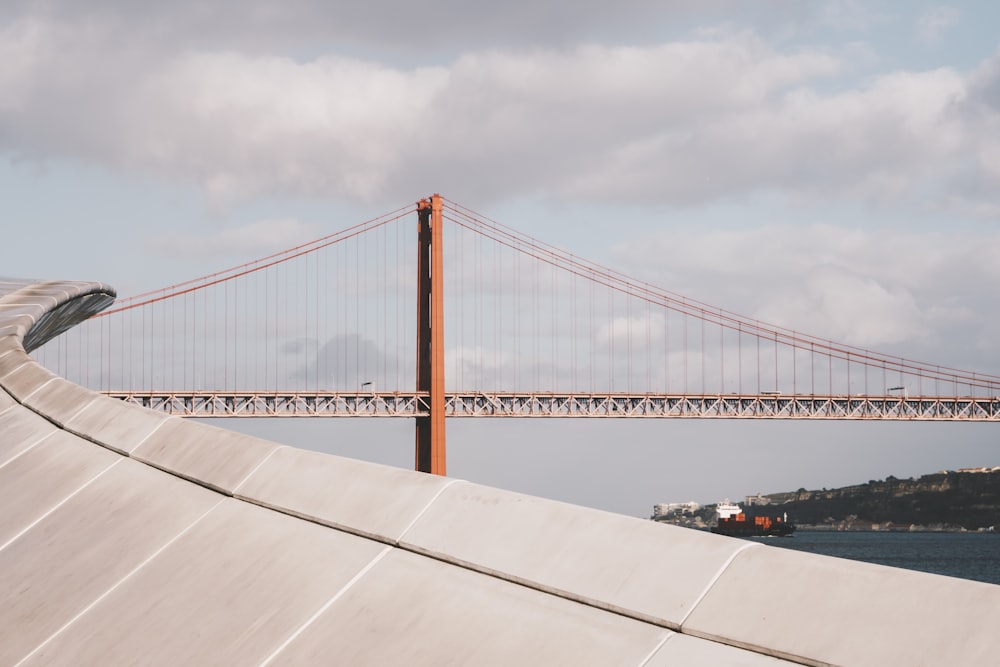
(459, 315)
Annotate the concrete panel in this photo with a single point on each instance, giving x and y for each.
(11, 310)
(648, 570)
(9, 342)
(40, 478)
(86, 546)
(228, 592)
(26, 379)
(114, 424)
(15, 330)
(834, 611)
(24, 298)
(684, 651)
(20, 429)
(365, 498)
(410, 610)
(9, 285)
(46, 292)
(59, 400)
(6, 401)
(11, 360)
(23, 321)
(213, 456)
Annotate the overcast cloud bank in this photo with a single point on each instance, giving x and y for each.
(679, 123)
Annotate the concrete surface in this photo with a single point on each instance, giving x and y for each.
(363, 498)
(114, 424)
(208, 455)
(21, 429)
(228, 590)
(488, 530)
(128, 537)
(59, 400)
(64, 462)
(938, 620)
(411, 610)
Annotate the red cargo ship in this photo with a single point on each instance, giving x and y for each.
(732, 521)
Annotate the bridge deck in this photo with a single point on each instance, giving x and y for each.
(609, 405)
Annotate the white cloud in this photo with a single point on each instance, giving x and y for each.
(476, 366)
(332, 126)
(881, 142)
(852, 15)
(934, 21)
(413, 30)
(898, 291)
(247, 241)
(21, 47)
(858, 310)
(677, 123)
(646, 328)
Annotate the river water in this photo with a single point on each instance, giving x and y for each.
(965, 555)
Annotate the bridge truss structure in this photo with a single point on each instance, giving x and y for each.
(602, 405)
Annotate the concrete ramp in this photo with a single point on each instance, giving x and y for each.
(129, 537)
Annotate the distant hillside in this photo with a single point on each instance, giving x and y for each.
(951, 500)
(944, 500)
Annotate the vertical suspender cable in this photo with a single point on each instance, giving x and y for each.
(383, 277)
(685, 345)
(497, 315)
(649, 346)
(757, 339)
(225, 335)
(573, 336)
(702, 321)
(795, 370)
(267, 328)
(666, 350)
(722, 356)
(590, 338)
(553, 360)
(628, 339)
(776, 361)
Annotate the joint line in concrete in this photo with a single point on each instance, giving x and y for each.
(656, 649)
(119, 582)
(59, 504)
(319, 612)
(28, 448)
(39, 387)
(243, 481)
(715, 579)
(424, 510)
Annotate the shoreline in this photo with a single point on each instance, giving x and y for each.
(812, 528)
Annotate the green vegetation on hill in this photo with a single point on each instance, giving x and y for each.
(944, 500)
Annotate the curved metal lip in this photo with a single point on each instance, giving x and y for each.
(72, 303)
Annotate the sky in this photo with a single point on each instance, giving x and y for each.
(832, 167)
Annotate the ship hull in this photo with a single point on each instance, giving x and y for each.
(735, 528)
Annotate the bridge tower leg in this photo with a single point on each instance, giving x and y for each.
(430, 450)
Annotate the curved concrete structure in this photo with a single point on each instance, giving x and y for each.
(130, 537)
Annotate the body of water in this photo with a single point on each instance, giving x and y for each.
(973, 556)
